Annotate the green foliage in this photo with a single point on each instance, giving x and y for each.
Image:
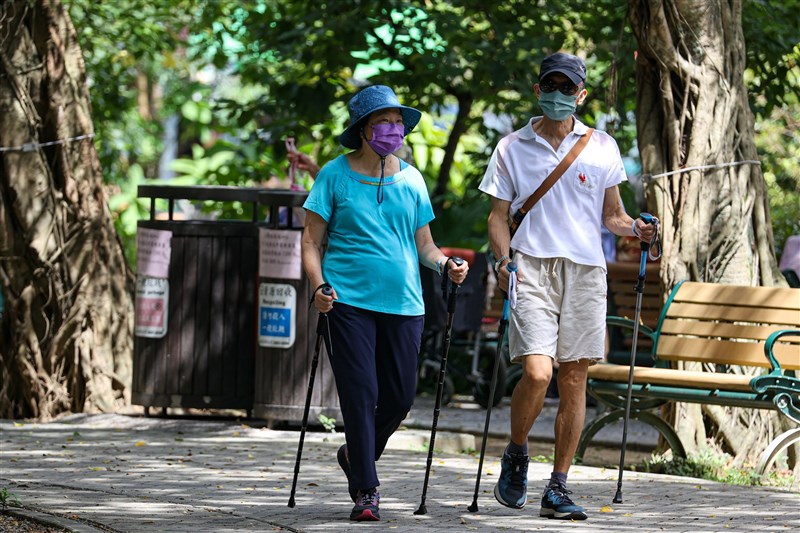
(7, 498)
(772, 37)
(778, 143)
(243, 77)
(129, 47)
(462, 220)
(328, 423)
(714, 466)
(127, 209)
(133, 50)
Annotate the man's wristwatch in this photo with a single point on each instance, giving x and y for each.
(499, 263)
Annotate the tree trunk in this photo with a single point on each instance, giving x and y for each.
(692, 111)
(66, 337)
(460, 125)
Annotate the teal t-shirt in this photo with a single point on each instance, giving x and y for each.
(371, 259)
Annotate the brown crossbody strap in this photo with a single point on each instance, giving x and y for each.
(554, 176)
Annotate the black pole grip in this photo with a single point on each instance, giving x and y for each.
(450, 288)
(322, 325)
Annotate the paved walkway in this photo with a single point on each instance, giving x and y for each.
(119, 473)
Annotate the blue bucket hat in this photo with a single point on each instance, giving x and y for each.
(366, 102)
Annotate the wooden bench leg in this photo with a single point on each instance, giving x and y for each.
(662, 427)
(780, 443)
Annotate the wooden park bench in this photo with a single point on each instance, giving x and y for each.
(726, 329)
(621, 278)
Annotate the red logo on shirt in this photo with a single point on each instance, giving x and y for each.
(582, 177)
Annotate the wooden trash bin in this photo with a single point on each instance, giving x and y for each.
(205, 358)
(286, 323)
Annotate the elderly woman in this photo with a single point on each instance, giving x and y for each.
(374, 210)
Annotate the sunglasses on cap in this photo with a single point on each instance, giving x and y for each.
(567, 87)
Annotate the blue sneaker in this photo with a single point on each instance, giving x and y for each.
(344, 463)
(511, 489)
(366, 507)
(557, 504)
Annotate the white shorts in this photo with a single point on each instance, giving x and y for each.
(560, 311)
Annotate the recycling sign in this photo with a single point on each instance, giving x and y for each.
(276, 315)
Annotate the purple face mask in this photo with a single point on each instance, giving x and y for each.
(386, 138)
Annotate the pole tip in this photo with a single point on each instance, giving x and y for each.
(421, 510)
(473, 508)
(618, 497)
(291, 502)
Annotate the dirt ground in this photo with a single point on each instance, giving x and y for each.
(14, 524)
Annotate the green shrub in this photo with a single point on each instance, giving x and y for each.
(714, 466)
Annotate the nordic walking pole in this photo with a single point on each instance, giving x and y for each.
(450, 290)
(501, 331)
(322, 329)
(649, 219)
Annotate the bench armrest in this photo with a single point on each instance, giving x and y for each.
(768, 347)
(783, 386)
(646, 358)
(623, 322)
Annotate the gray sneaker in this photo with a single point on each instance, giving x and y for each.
(556, 503)
(512, 488)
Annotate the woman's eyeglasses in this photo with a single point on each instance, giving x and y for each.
(567, 88)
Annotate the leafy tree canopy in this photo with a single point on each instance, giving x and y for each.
(242, 77)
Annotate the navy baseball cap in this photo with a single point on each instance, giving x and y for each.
(572, 67)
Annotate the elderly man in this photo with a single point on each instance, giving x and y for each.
(561, 280)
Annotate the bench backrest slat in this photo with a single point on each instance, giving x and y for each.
(717, 330)
(622, 295)
(728, 324)
(739, 295)
(777, 318)
(726, 352)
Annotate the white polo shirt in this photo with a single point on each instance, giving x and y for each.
(567, 220)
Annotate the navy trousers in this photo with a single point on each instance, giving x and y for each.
(374, 361)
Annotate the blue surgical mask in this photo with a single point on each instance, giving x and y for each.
(557, 106)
